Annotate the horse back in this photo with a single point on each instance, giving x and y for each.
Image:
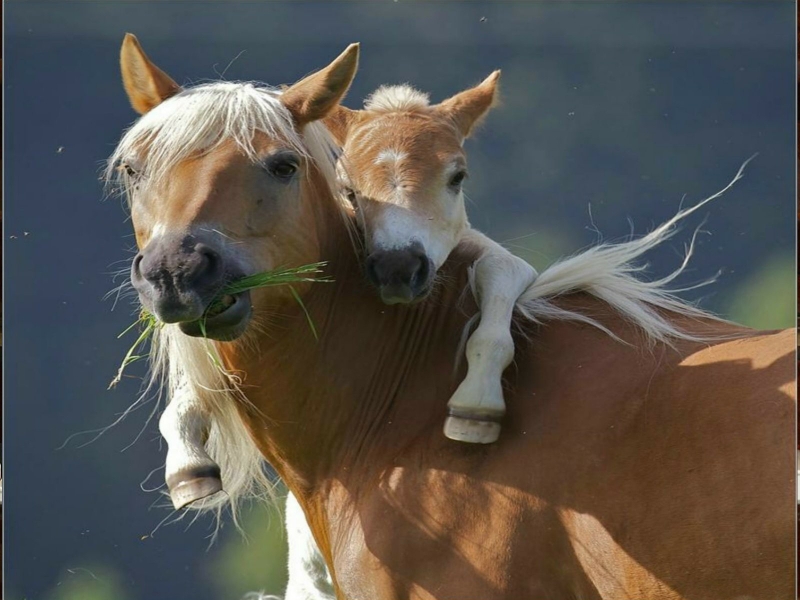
(621, 472)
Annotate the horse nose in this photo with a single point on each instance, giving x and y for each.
(200, 267)
(400, 275)
(177, 276)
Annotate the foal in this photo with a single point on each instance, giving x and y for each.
(402, 169)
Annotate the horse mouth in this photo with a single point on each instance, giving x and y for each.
(224, 320)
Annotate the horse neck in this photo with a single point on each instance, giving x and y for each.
(325, 404)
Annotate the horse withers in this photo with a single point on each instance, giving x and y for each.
(648, 450)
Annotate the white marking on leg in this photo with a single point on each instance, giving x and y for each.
(185, 426)
(309, 578)
(499, 278)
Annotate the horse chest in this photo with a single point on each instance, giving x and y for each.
(412, 538)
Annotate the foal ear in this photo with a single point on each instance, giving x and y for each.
(315, 96)
(339, 122)
(468, 107)
(147, 86)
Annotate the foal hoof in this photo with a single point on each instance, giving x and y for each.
(188, 487)
(473, 430)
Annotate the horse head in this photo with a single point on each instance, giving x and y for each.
(221, 180)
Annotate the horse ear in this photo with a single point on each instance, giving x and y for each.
(339, 122)
(315, 96)
(147, 86)
(468, 107)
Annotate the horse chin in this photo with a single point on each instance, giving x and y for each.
(225, 326)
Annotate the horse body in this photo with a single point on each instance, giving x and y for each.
(663, 473)
(661, 468)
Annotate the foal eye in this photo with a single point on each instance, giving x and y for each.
(457, 179)
(351, 196)
(283, 169)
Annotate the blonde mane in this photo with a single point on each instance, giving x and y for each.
(610, 272)
(200, 118)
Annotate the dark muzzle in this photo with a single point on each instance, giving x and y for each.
(401, 276)
(177, 277)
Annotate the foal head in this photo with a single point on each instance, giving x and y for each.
(402, 168)
(223, 181)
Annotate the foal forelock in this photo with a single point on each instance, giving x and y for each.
(200, 118)
(389, 98)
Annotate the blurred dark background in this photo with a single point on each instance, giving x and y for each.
(624, 107)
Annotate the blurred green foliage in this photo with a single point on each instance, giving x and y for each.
(90, 582)
(255, 561)
(766, 300)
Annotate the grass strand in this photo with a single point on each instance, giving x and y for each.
(280, 276)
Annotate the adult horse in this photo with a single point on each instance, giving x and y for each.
(636, 460)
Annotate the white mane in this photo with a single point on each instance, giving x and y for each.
(199, 118)
(609, 272)
(390, 98)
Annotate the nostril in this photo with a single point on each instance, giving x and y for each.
(372, 271)
(208, 253)
(421, 273)
(136, 267)
(208, 264)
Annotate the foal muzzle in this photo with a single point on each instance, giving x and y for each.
(178, 276)
(401, 276)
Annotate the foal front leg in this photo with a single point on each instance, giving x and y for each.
(190, 473)
(477, 406)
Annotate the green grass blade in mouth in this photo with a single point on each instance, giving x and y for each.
(281, 276)
(305, 311)
(149, 324)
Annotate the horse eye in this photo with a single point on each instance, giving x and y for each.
(457, 179)
(129, 170)
(283, 169)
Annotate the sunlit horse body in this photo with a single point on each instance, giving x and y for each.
(660, 468)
